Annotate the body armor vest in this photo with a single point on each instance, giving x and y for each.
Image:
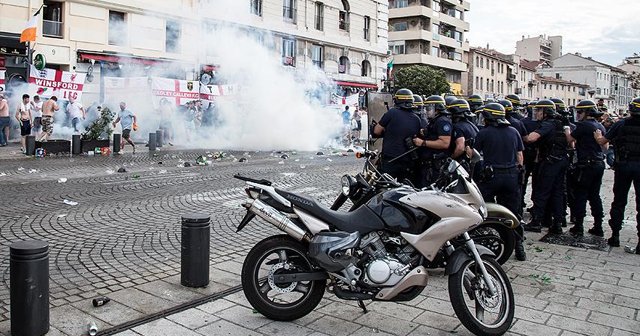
(627, 143)
(555, 146)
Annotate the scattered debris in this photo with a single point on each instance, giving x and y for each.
(319, 153)
(93, 329)
(20, 169)
(109, 171)
(159, 162)
(122, 170)
(242, 159)
(303, 166)
(100, 301)
(281, 162)
(326, 168)
(187, 164)
(135, 176)
(3, 174)
(542, 279)
(629, 249)
(62, 215)
(62, 180)
(32, 171)
(297, 160)
(328, 159)
(164, 171)
(201, 160)
(344, 154)
(350, 150)
(284, 156)
(69, 202)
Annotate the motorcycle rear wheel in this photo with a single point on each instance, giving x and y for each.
(468, 290)
(280, 255)
(498, 238)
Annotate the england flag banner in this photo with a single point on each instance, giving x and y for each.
(177, 91)
(62, 84)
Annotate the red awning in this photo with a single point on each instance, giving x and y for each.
(85, 56)
(354, 84)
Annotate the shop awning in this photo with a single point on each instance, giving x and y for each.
(356, 84)
(120, 58)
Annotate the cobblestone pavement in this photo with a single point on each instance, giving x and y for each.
(122, 240)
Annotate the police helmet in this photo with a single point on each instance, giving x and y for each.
(403, 98)
(489, 101)
(448, 99)
(435, 103)
(459, 108)
(634, 107)
(494, 112)
(547, 106)
(561, 107)
(589, 107)
(514, 99)
(508, 106)
(418, 103)
(475, 101)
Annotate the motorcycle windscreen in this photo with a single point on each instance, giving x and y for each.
(399, 217)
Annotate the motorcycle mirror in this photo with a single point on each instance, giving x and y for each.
(453, 165)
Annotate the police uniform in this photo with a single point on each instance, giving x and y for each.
(439, 124)
(530, 156)
(588, 175)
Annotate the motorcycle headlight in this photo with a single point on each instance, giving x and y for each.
(348, 185)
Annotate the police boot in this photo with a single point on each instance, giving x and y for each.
(596, 230)
(533, 226)
(578, 228)
(614, 241)
(521, 255)
(556, 228)
(637, 247)
(563, 221)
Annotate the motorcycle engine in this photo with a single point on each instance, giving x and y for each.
(382, 269)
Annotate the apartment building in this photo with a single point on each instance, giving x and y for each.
(539, 48)
(491, 74)
(570, 92)
(345, 38)
(430, 32)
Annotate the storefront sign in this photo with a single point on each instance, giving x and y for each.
(39, 61)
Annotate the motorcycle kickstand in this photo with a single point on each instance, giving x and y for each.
(362, 306)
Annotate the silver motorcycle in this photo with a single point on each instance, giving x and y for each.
(376, 252)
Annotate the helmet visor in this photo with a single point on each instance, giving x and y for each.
(430, 110)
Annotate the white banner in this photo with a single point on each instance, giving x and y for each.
(62, 84)
(2, 88)
(118, 89)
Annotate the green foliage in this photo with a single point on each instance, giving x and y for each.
(422, 80)
(100, 128)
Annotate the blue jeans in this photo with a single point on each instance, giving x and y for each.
(4, 122)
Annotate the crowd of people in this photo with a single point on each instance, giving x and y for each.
(563, 150)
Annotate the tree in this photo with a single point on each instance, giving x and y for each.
(422, 80)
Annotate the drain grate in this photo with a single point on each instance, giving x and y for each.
(587, 241)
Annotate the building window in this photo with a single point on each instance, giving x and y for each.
(317, 55)
(481, 81)
(256, 7)
(367, 28)
(481, 62)
(398, 3)
(435, 52)
(488, 85)
(289, 10)
(477, 62)
(288, 52)
(457, 36)
(492, 86)
(477, 82)
(397, 47)
(400, 26)
(343, 16)
(117, 28)
(343, 65)
(172, 37)
(319, 17)
(52, 19)
(436, 6)
(366, 68)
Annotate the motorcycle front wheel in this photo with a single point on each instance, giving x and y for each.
(496, 237)
(478, 310)
(280, 301)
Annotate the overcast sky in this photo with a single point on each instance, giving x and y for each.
(607, 30)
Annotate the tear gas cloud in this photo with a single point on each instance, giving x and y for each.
(275, 107)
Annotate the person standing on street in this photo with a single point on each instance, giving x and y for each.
(5, 121)
(435, 140)
(126, 119)
(48, 109)
(24, 117)
(76, 112)
(501, 147)
(589, 168)
(464, 132)
(396, 126)
(36, 107)
(625, 136)
(553, 163)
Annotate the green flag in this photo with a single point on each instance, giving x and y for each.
(390, 65)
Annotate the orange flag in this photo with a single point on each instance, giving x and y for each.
(29, 32)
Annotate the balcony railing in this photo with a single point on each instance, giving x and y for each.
(51, 28)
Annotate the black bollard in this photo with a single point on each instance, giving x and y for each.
(152, 141)
(76, 144)
(31, 145)
(194, 257)
(117, 139)
(29, 280)
(159, 138)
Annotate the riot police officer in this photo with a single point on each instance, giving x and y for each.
(501, 147)
(475, 101)
(435, 140)
(517, 105)
(553, 162)
(571, 175)
(589, 169)
(397, 126)
(448, 99)
(464, 131)
(625, 136)
(418, 109)
(511, 117)
(530, 151)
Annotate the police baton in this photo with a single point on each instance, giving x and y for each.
(404, 154)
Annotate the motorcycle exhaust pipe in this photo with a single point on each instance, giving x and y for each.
(277, 219)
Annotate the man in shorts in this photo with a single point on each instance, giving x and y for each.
(126, 119)
(48, 109)
(24, 117)
(5, 121)
(76, 112)
(36, 109)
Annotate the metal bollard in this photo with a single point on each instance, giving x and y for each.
(159, 138)
(76, 144)
(31, 145)
(194, 256)
(117, 140)
(152, 141)
(29, 280)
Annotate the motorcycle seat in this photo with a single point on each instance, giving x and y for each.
(362, 219)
